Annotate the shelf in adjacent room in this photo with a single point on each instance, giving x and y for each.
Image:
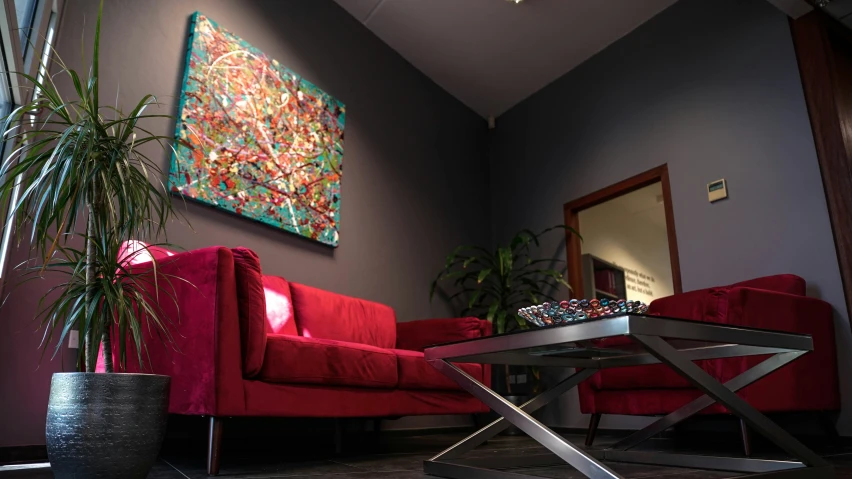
(602, 279)
(606, 294)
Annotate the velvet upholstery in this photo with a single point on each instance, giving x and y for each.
(304, 400)
(204, 362)
(326, 315)
(416, 373)
(279, 306)
(300, 360)
(780, 283)
(418, 335)
(251, 301)
(809, 383)
(316, 372)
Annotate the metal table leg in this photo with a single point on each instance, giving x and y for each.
(496, 427)
(576, 457)
(660, 349)
(588, 462)
(757, 372)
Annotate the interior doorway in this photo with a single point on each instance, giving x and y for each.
(629, 247)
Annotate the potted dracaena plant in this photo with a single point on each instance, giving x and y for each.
(78, 187)
(494, 284)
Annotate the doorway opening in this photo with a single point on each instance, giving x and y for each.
(629, 247)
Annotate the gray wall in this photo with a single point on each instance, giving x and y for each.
(414, 186)
(710, 87)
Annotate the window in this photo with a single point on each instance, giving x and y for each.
(25, 12)
(27, 33)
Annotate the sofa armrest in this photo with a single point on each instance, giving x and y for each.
(204, 362)
(418, 335)
(808, 383)
(758, 308)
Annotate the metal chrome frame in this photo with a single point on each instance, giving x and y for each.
(568, 346)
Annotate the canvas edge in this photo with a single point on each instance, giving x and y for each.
(193, 21)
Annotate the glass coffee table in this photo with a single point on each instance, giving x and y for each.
(674, 342)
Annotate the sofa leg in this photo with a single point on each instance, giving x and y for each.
(214, 445)
(594, 421)
(377, 434)
(338, 436)
(746, 439)
(828, 421)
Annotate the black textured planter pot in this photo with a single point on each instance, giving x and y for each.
(106, 425)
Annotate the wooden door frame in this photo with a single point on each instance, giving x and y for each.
(573, 249)
(828, 96)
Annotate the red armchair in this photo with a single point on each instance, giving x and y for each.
(250, 344)
(773, 302)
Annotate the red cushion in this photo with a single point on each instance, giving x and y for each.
(781, 283)
(252, 309)
(640, 377)
(644, 402)
(279, 306)
(299, 360)
(416, 373)
(711, 304)
(702, 305)
(418, 335)
(322, 314)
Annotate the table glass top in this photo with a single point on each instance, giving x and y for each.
(586, 321)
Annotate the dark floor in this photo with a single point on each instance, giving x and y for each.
(400, 457)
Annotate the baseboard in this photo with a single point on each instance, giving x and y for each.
(22, 454)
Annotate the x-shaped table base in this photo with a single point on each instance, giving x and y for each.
(809, 465)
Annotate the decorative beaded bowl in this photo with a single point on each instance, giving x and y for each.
(560, 312)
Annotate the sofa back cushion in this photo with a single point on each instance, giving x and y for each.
(780, 283)
(279, 306)
(327, 315)
(711, 304)
(700, 305)
(251, 303)
(419, 335)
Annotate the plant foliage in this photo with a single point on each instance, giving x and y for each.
(494, 284)
(77, 171)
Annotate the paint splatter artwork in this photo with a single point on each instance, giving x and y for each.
(256, 139)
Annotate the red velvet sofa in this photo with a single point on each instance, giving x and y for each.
(773, 302)
(251, 344)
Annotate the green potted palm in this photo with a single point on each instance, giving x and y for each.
(78, 186)
(494, 284)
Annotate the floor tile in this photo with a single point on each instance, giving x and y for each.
(259, 466)
(629, 471)
(401, 457)
(386, 462)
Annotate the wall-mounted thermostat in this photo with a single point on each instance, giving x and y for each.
(717, 190)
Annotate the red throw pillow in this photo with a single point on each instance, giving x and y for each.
(279, 306)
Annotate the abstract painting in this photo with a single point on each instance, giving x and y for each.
(256, 139)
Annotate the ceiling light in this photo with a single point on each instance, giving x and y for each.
(515, 1)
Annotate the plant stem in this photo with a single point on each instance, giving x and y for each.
(107, 343)
(90, 278)
(91, 355)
